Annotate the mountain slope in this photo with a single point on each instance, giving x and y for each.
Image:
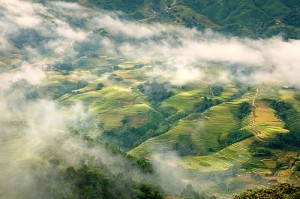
(256, 18)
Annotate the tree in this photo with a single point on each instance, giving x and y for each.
(217, 90)
(155, 92)
(278, 191)
(99, 86)
(206, 103)
(244, 110)
(150, 192)
(190, 193)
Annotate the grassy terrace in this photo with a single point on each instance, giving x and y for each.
(113, 103)
(226, 158)
(292, 96)
(184, 101)
(203, 129)
(266, 122)
(119, 98)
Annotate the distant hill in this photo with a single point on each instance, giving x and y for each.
(253, 18)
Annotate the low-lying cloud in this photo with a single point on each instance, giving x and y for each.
(182, 50)
(36, 36)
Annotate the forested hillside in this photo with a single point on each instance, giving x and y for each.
(255, 18)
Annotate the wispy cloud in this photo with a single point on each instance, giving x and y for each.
(57, 30)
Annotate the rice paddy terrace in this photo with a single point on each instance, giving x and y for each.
(108, 97)
(211, 140)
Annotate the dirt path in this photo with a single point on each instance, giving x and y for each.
(253, 113)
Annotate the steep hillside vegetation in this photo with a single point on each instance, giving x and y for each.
(256, 18)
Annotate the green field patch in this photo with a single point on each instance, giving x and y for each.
(133, 76)
(262, 171)
(138, 115)
(204, 133)
(229, 91)
(266, 122)
(184, 101)
(268, 91)
(291, 96)
(88, 63)
(113, 103)
(284, 174)
(54, 77)
(132, 64)
(102, 63)
(270, 163)
(228, 157)
(246, 97)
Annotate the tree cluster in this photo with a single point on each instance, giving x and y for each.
(278, 191)
(236, 136)
(185, 145)
(292, 122)
(128, 137)
(205, 104)
(155, 92)
(190, 193)
(258, 148)
(244, 110)
(217, 90)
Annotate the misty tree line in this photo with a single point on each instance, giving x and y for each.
(155, 92)
(205, 104)
(217, 90)
(87, 182)
(244, 110)
(92, 179)
(128, 137)
(235, 136)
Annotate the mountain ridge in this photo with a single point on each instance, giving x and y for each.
(254, 19)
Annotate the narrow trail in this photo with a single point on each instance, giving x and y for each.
(257, 132)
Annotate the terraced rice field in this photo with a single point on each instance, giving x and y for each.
(204, 131)
(88, 63)
(112, 104)
(184, 101)
(268, 91)
(233, 155)
(120, 98)
(266, 123)
(290, 96)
